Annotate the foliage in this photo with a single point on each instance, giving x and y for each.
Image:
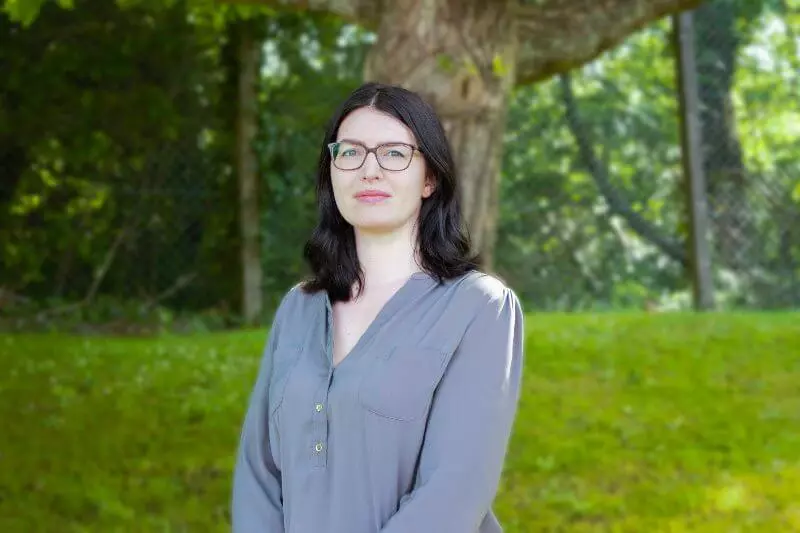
(126, 163)
(627, 422)
(117, 142)
(108, 315)
(135, 168)
(558, 243)
(26, 12)
(313, 63)
(561, 244)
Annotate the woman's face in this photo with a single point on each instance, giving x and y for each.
(371, 198)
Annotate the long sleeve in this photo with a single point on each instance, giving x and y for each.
(469, 426)
(256, 505)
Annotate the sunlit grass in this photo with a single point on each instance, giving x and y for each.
(657, 423)
(628, 422)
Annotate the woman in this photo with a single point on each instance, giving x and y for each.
(389, 383)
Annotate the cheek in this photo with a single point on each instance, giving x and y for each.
(421, 188)
(338, 184)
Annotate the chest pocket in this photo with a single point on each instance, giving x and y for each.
(400, 384)
(285, 358)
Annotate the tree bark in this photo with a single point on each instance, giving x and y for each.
(557, 36)
(249, 60)
(460, 56)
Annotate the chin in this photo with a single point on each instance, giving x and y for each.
(376, 224)
(377, 228)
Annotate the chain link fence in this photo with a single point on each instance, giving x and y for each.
(748, 73)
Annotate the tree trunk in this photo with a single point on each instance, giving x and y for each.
(249, 59)
(717, 46)
(460, 55)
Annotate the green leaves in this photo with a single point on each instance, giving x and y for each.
(558, 243)
(576, 253)
(25, 11)
(129, 104)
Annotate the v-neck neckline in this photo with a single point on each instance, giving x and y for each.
(386, 311)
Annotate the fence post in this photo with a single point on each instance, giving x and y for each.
(245, 35)
(694, 182)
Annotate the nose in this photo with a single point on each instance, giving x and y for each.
(371, 169)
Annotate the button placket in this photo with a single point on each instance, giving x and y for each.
(319, 415)
(319, 450)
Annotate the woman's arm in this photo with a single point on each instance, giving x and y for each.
(256, 505)
(468, 427)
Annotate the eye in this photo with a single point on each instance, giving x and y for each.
(395, 151)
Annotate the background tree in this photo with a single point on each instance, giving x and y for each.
(465, 57)
(119, 181)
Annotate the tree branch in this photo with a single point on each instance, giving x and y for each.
(557, 36)
(616, 202)
(99, 275)
(181, 282)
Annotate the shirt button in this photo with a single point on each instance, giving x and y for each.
(318, 407)
(318, 447)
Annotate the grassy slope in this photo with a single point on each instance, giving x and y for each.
(661, 423)
(668, 423)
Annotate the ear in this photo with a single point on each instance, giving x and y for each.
(430, 186)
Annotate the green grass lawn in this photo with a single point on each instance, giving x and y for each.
(640, 423)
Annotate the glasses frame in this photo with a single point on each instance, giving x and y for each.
(373, 150)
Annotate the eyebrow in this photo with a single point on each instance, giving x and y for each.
(378, 144)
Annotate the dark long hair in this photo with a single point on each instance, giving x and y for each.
(443, 242)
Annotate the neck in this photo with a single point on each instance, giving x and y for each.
(386, 258)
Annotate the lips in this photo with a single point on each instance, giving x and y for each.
(372, 195)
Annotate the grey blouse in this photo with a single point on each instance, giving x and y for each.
(407, 434)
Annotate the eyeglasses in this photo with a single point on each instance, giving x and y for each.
(350, 155)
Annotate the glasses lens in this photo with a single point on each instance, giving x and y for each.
(395, 156)
(347, 156)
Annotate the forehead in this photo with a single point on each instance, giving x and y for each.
(373, 127)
